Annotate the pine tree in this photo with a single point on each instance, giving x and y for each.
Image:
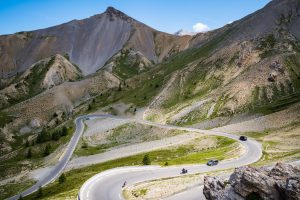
(146, 160)
(29, 153)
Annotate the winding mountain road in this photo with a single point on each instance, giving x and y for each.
(108, 184)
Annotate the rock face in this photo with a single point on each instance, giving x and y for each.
(281, 182)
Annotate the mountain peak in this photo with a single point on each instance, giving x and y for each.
(111, 9)
(113, 12)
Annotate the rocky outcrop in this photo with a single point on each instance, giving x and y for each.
(60, 71)
(41, 76)
(129, 59)
(281, 182)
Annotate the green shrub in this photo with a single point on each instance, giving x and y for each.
(55, 135)
(62, 178)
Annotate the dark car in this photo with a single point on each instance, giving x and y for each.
(212, 162)
(243, 138)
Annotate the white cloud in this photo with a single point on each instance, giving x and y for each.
(230, 22)
(200, 27)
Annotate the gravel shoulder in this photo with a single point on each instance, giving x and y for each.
(95, 126)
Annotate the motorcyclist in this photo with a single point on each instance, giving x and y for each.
(124, 184)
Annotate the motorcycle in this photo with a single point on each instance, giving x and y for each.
(184, 171)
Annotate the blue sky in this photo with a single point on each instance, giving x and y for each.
(164, 15)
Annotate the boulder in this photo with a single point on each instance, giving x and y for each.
(25, 130)
(281, 182)
(35, 123)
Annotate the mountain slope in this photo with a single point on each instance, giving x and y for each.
(89, 42)
(250, 66)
